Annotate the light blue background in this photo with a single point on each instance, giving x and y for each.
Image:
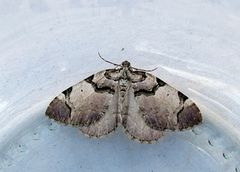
(48, 45)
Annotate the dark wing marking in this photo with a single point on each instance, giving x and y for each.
(103, 127)
(189, 116)
(112, 74)
(58, 110)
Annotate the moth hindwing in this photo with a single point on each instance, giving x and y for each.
(145, 105)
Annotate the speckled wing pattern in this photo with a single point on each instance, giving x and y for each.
(145, 105)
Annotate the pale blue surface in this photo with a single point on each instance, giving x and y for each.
(47, 46)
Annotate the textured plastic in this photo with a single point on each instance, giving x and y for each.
(47, 46)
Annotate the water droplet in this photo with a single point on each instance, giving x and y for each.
(53, 126)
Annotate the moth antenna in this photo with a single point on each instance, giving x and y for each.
(143, 70)
(107, 60)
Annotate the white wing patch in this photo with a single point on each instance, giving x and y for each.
(145, 105)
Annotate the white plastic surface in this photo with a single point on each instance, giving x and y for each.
(47, 46)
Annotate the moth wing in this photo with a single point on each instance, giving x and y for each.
(89, 104)
(103, 127)
(135, 126)
(163, 107)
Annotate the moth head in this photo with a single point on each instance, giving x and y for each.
(126, 64)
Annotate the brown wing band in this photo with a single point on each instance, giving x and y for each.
(97, 89)
(160, 83)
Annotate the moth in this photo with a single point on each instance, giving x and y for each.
(145, 105)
